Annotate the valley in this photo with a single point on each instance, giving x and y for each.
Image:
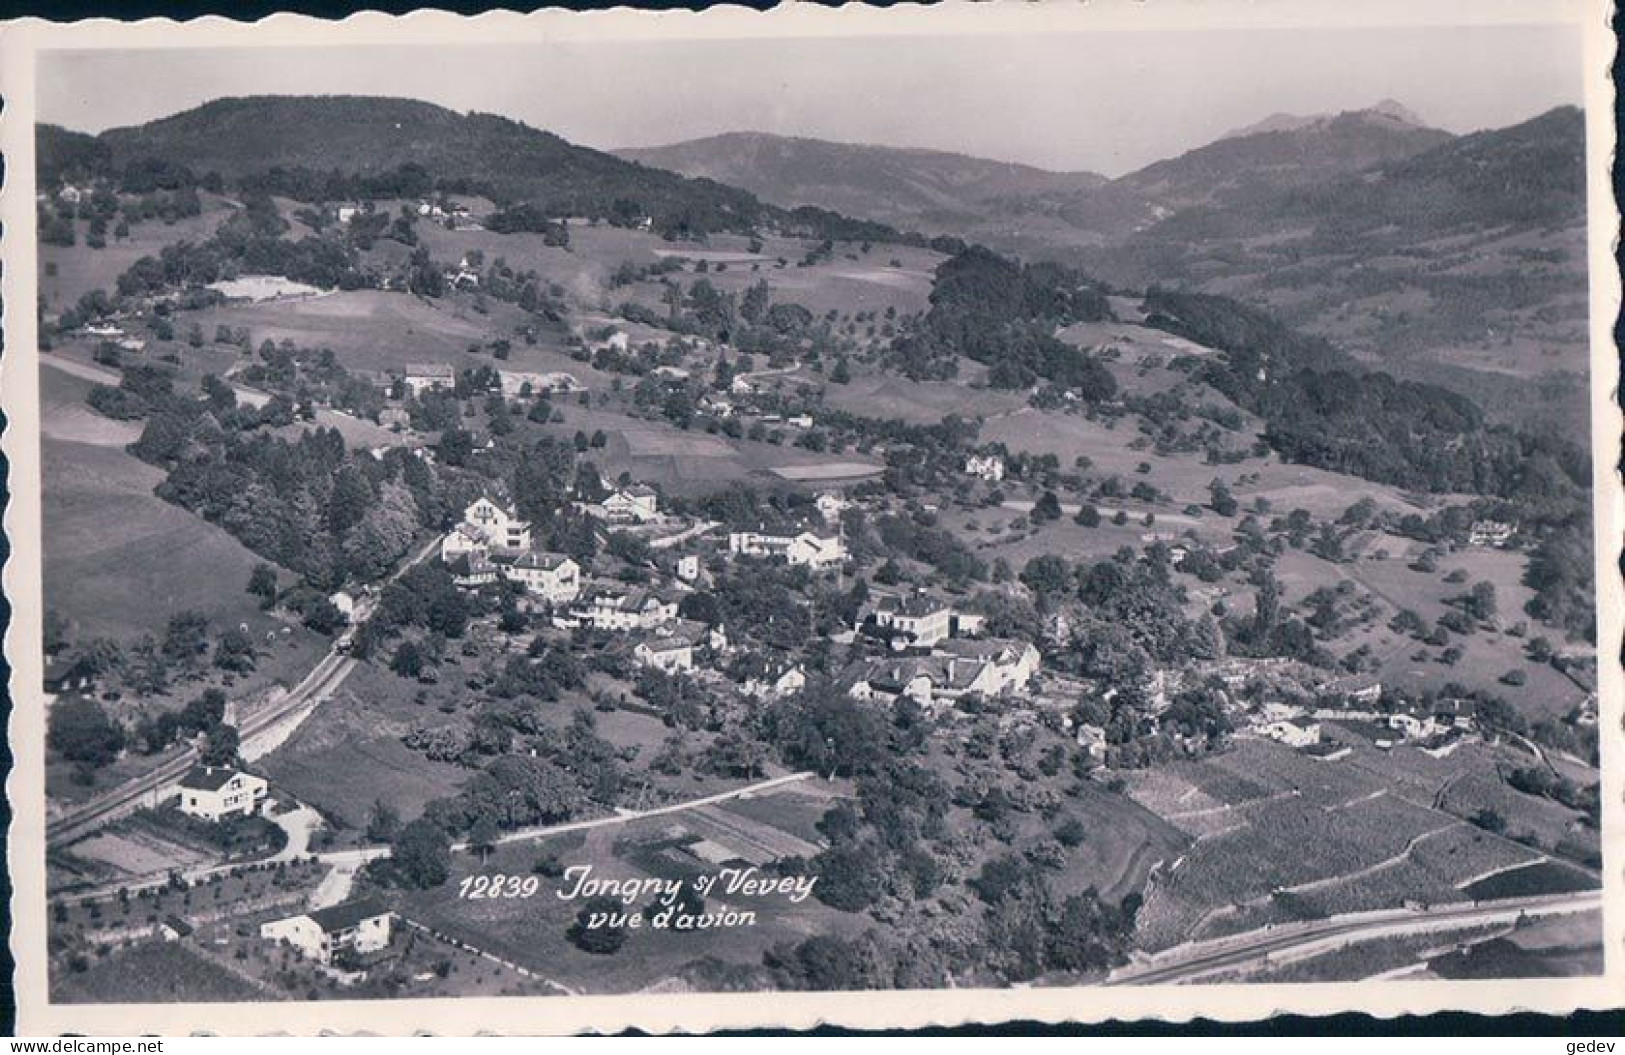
(1054, 616)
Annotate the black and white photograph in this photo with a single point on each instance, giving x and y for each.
(931, 504)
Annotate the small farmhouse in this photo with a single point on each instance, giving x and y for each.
(218, 793)
(69, 674)
(361, 926)
(776, 680)
(1493, 533)
(668, 654)
(1294, 732)
(637, 504)
(989, 467)
(429, 377)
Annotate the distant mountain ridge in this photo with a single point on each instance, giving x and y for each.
(893, 184)
(295, 143)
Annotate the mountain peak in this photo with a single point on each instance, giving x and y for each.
(1387, 112)
(1399, 112)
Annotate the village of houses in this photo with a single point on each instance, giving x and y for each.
(918, 646)
(293, 903)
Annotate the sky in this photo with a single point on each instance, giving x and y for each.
(1108, 102)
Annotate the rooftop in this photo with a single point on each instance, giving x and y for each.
(346, 914)
(207, 778)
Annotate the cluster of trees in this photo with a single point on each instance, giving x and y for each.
(568, 773)
(1542, 781)
(310, 375)
(527, 217)
(918, 538)
(1322, 408)
(310, 505)
(250, 241)
(299, 183)
(996, 311)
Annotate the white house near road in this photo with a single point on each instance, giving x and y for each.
(361, 926)
(218, 793)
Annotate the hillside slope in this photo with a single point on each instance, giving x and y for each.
(1462, 264)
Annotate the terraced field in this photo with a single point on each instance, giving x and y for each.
(1281, 836)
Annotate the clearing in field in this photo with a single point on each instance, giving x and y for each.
(348, 754)
(160, 561)
(64, 415)
(137, 852)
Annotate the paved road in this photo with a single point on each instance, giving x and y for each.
(1191, 963)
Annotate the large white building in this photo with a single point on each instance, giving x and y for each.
(322, 934)
(806, 548)
(553, 577)
(487, 529)
(619, 609)
(957, 670)
(218, 793)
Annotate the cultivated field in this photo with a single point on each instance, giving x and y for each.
(1282, 836)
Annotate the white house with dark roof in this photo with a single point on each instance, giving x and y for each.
(919, 620)
(360, 926)
(218, 793)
